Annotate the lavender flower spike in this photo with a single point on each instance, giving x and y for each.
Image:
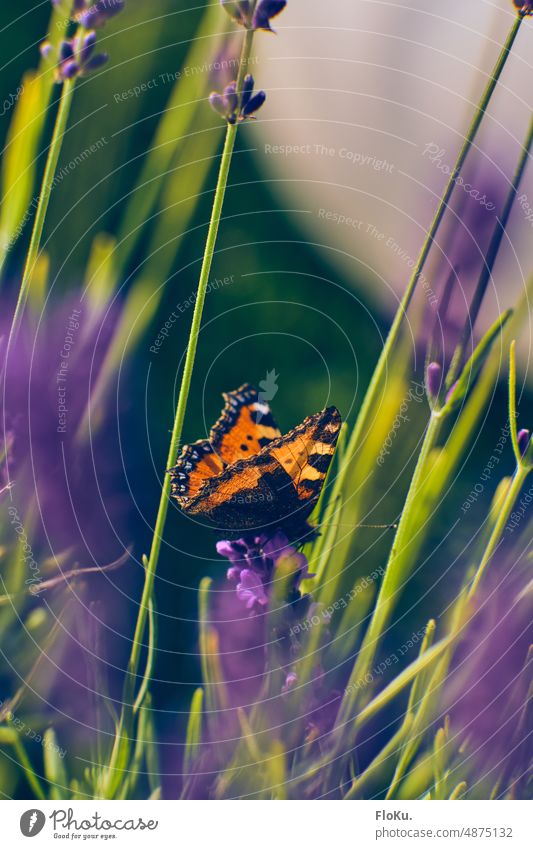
(525, 7)
(253, 566)
(265, 10)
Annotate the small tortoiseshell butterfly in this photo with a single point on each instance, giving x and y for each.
(247, 476)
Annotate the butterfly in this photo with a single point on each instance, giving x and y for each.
(247, 476)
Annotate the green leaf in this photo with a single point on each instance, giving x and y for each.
(404, 679)
(194, 729)
(54, 767)
(476, 363)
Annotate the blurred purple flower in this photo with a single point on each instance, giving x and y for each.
(250, 589)
(486, 697)
(69, 484)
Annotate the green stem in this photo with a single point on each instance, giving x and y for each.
(44, 199)
(216, 215)
(490, 259)
(513, 492)
(150, 563)
(27, 768)
(379, 374)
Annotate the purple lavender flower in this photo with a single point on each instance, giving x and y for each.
(265, 10)
(77, 57)
(243, 12)
(486, 696)
(227, 103)
(254, 562)
(524, 7)
(251, 589)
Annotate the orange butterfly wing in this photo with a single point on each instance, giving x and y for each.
(245, 426)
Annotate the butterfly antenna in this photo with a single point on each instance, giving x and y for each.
(390, 527)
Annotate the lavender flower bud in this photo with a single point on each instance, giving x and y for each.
(94, 63)
(524, 438)
(227, 103)
(87, 47)
(46, 49)
(524, 7)
(69, 69)
(433, 380)
(78, 59)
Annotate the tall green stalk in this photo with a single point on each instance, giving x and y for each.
(65, 103)
(380, 371)
(150, 563)
(490, 259)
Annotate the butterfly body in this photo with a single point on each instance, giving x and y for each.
(247, 477)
